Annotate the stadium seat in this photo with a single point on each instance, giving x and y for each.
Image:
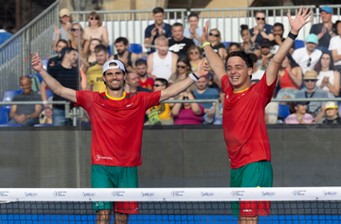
(5, 109)
(299, 44)
(283, 111)
(226, 44)
(135, 48)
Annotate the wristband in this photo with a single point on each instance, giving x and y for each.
(292, 36)
(205, 44)
(193, 76)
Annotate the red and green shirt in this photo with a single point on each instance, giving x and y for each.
(245, 132)
(117, 125)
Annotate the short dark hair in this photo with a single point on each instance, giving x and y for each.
(100, 48)
(158, 10)
(193, 14)
(62, 41)
(247, 58)
(67, 50)
(177, 24)
(279, 24)
(163, 81)
(140, 61)
(122, 39)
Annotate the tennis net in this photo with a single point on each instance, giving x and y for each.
(171, 205)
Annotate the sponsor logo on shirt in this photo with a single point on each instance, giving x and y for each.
(99, 157)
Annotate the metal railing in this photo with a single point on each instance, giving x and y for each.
(37, 35)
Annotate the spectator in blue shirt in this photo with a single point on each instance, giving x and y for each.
(262, 30)
(4, 35)
(156, 29)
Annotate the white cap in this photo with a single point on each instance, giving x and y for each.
(113, 64)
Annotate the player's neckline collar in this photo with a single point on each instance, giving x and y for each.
(115, 98)
(243, 90)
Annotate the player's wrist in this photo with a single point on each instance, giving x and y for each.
(193, 76)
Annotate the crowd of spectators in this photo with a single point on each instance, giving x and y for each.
(174, 51)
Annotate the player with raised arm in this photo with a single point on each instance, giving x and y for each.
(245, 134)
(117, 120)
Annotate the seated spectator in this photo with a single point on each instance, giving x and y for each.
(63, 32)
(183, 68)
(162, 112)
(202, 91)
(257, 73)
(262, 30)
(212, 116)
(247, 44)
(96, 29)
(61, 44)
(123, 54)
(162, 63)
(187, 113)
(214, 37)
(335, 46)
(289, 78)
(25, 114)
(331, 113)
(328, 78)
(178, 43)
(194, 55)
(307, 57)
(266, 54)
(193, 31)
(324, 30)
(94, 74)
(132, 83)
(141, 70)
(91, 54)
(78, 40)
(278, 31)
(157, 29)
(234, 46)
(312, 91)
(300, 115)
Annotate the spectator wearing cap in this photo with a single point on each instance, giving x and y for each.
(307, 57)
(262, 30)
(300, 115)
(63, 32)
(331, 113)
(335, 46)
(311, 91)
(324, 30)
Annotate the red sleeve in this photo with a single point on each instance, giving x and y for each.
(85, 98)
(225, 83)
(151, 99)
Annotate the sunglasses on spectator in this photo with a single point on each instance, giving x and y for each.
(94, 18)
(309, 62)
(213, 34)
(310, 80)
(74, 29)
(181, 66)
(194, 52)
(157, 85)
(260, 18)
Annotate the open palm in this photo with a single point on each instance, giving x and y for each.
(301, 18)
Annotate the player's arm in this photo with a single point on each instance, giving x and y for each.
(296, 24)
(180, 86)
(52, 83)
(213, 58)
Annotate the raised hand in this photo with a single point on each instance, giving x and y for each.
(301, 18)
(36, 63)
(203, 68)
(205, 31)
